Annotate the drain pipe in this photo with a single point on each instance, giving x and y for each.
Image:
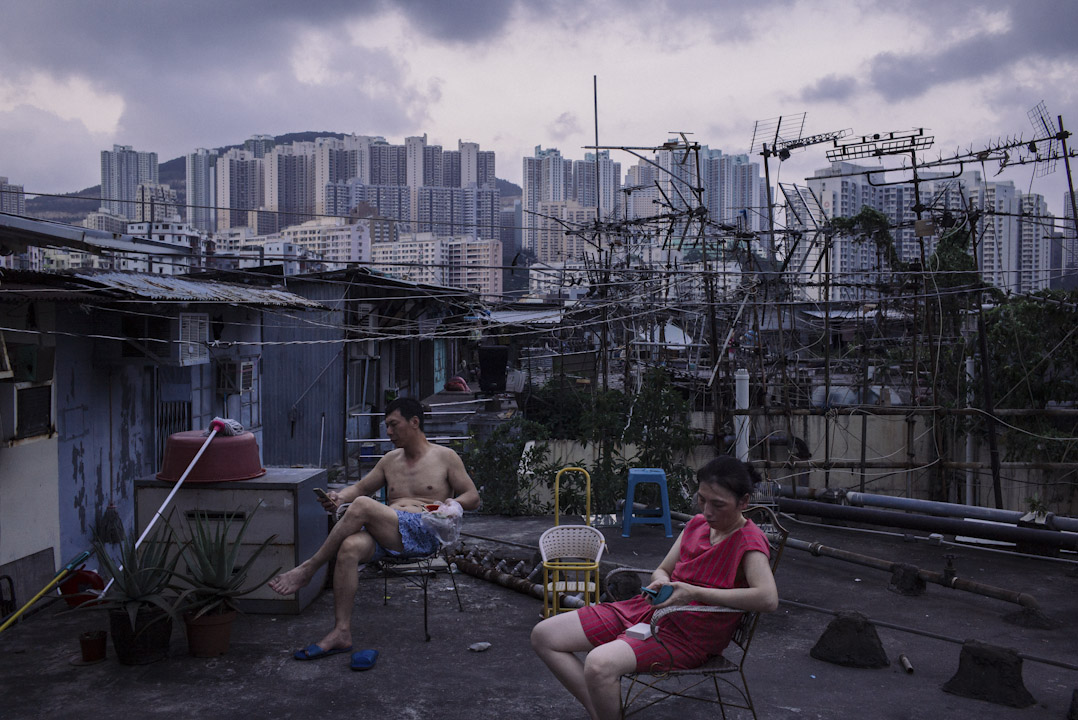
(944, 579)
(1005, 533)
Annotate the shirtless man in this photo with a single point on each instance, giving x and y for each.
(416, 473)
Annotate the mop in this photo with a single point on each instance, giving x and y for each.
(217, 425)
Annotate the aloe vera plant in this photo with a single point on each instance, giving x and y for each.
(213, 573)
(142, 576)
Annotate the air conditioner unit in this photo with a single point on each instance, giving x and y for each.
(194, 336)
(235, 377)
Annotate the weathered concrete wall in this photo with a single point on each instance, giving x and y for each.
(887, 439)
(105, 426)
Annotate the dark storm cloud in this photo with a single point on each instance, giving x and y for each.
(458, 20)
(832, 88)
(1038, 30)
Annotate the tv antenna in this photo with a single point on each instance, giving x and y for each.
(1045, 137)
(780, 146)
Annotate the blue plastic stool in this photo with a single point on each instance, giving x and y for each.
(629, 518)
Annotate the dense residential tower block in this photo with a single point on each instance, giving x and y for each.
(201, 192)
(123, 169)
(12, 198)
(240, 187)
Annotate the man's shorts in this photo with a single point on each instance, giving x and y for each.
(417, 540)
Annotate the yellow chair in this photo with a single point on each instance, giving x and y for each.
(570, 554)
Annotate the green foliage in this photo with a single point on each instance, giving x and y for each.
(659, 428)
(509, 480)
(1033, 351)
(655, 422)
(141, 576)
(213, 572)
(871, 225)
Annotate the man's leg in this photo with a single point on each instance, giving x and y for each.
(554, 641)
(365, 513)
(355, 549)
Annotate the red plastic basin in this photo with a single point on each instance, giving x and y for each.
(227, 458)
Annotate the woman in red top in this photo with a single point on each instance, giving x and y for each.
(720, 558)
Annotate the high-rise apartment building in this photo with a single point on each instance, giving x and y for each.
(1013, 229)
(240, 187)
(548, 177)
(641, 194)
(123, 169)
(201, 192)
(156, 202)
(597, 183)
(12, 198)
(475, 265)
(289, 171)
(553, 242)
(259, 145)
(419, 258)
(334, 240)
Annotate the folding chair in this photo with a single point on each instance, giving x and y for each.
(418, 571)
(645, 689)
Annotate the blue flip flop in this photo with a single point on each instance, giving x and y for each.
(363, 660)
(314, 652)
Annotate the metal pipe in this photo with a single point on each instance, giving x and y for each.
(955, 583)
(969, 431)
(932, 507)
(741, 422)
(1049, 538)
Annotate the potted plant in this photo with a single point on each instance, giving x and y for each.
(140, 599)
(216, 579)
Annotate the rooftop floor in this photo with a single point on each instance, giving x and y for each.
(443, 679)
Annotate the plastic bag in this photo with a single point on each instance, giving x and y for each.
(444, 520)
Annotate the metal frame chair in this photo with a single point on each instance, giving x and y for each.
(681, 683)
(570, 565)
(418, 571)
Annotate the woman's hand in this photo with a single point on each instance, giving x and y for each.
(682, 595)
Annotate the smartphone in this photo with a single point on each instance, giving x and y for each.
(321, 494)
(658, 596)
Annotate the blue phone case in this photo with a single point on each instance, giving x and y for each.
(658, 596)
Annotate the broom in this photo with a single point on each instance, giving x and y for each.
(110, 528)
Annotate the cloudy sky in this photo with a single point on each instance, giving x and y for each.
(79, 76)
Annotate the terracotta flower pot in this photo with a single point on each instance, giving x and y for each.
(210, 634)
(93, 645)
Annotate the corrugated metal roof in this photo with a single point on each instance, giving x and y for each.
(172, 288)
(550, 316)
(104, 286)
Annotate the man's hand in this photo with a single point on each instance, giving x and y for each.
(330, 500)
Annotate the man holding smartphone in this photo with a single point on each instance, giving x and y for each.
(416, 473)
